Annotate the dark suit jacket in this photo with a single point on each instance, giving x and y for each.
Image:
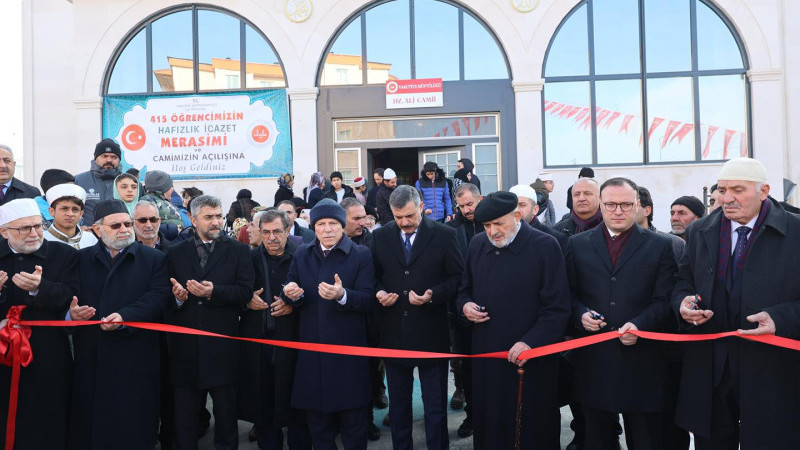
(305, 233)
(204, 362)
(612, 376)
(768, 375)
(20, 189)
(436, 264)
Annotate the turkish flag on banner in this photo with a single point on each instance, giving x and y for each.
(582, 114)
(682, 132)
(557, 108)
(670, 128)
(566, 110)
(743, 144)
(549, 105)
(602, 114)
(456, 127)
(573, 111)
(728, 136)
(653, 125)
(711, 131)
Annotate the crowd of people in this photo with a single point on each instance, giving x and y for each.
(434, 267)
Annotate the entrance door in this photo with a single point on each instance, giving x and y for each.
(402, 160)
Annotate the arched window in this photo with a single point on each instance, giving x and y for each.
(645, 82)
(194, 49)
(404, 39)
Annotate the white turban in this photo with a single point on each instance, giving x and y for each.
(744, 169)
(388, 174)
(65, 190)
(17, 209)
(523, 190)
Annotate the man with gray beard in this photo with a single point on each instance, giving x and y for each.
(115, 398)
(43, 277)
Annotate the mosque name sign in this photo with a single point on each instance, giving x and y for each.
(420, 93)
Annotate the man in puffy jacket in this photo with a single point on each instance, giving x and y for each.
(98, 180)
(435, 192)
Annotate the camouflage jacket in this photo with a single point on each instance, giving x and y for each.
(167, 211)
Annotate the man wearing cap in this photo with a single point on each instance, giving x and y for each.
(359, 189)
(99, 179)
(382, 196)
(683, 211)
(621, 277)
(158, 188)
(331, 284)
(739, 272)
(528, 203)
(512, 314)
(115, 397)
(44, 278)
(644, 218)
(418, 266)
(212, 279)
(66, 208)
(10, 187)
(585, 214)
(466, 164)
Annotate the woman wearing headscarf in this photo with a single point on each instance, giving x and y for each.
(285, 185)
(126, 188)
(313, 193)
(242, 207)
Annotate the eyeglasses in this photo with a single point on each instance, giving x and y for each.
(26, 230)
(276, 233)
(144, 220)
(118, 225)
(625, 206)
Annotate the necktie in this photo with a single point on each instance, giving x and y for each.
(407, 244)
(2, 193)
(325, 253)
(738, 252)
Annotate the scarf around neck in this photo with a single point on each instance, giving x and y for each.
(583, 225)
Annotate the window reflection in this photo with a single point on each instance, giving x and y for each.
(619, 121)
(263, 70)
(667, 35)
(567, 123)
(388, 42)
(218, 46)
(436, 40)
(722, 117)
(670, 112)
(486, 167)
(128, 74)
(343, 62)
(616, 36)
(347, 162)
(716, 47)
(483, 59)
(173, 64)
(416, 128)
(569, 51)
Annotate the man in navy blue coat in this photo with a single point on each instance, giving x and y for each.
(418, 265)
(115, 399)
(331, 283)
(520, 312)
(621, 277)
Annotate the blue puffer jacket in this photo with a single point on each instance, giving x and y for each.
(436, 195)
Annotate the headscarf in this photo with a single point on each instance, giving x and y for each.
(316, 179)
(282, 182)
(135, 200)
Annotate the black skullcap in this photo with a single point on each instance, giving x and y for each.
(497, 204)
(693, 203)
(107, 145)
(108, 207)
(586, 172)
(53, 177)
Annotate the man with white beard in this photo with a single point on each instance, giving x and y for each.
(43, 277)
(115, 397)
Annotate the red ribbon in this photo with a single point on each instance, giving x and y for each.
(15, 351)
(15, 337)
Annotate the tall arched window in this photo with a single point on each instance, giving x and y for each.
(645, 82)
(194, 49)
(402, 39)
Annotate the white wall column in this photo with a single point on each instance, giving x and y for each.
(769, 127)
(303, 107)
(528, 106)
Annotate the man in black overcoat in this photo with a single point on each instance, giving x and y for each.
(212, 279)
(418, 266)
(621, 277)
(43, 276)
(512, 313)
(115, 398)
(266, 373)
(739, 272)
